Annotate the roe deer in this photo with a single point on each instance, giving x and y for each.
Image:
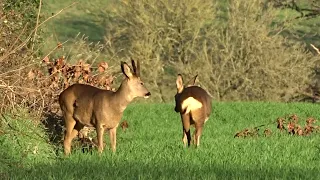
(85, 105)
(194, 105)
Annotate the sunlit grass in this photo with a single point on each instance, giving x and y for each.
(152, 148)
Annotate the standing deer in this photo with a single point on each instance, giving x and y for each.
(85, 105)
(194, 105)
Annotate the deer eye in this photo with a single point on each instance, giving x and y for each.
(141, 83)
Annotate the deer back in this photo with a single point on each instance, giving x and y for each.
(193, 98)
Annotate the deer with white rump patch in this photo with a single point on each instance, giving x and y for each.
(85, 105)
(194, 105)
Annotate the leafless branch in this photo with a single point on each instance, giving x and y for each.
(315, 48)
(33, 31)
(36, 28)
(305, 12)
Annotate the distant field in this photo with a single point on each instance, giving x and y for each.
(85, 17)
(151, 148)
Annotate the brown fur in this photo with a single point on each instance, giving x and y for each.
(194, 115)
(84, 105)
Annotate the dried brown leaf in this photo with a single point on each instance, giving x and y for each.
(100, 69)
(267, 132)
(104, 65)
(77, 74)
(124, 125)
(46, 60)
(31, 75)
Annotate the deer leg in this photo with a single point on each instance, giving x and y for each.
(186, 129)
(194, 137)
(71, 132)
(113, 138)
(198, 134)
(69, 125)
(100, 131)
(184, 138)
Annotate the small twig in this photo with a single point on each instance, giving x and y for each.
(316, 6)
(19, 87)
(56, 47)
(36, 28)
(29, 36)
(14, 70)
(42, 98)
(315, 48)
(57, 13)
(6, 85)
(204, 87)
(16, 40)
(12, 98)
(310, 95)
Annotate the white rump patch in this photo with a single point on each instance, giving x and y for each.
(190, 104)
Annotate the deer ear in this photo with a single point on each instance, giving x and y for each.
(136, 68)
(126, 70)
(179, 83)
(192, 81)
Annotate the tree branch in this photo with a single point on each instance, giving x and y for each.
(313, 9)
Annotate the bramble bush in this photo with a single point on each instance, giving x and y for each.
(31, 80)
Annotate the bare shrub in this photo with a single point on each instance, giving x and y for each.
(17, 20)
(250, 60)
(244, 58)
(161, 34)
(39, 87)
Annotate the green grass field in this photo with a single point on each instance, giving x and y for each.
(84, 17)
(151, 148)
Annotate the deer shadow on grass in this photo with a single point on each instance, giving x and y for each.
(54, 127)
(53, 123)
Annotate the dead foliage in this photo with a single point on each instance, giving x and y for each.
(25, 81)
(248, 132)
(267, 132)
(38, 87)
(124, 125)
(85, 131)
(86, 144)
(62, 74)
(286, 125)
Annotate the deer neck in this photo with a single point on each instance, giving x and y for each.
(123, 96)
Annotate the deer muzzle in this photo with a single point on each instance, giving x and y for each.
(147, 95)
